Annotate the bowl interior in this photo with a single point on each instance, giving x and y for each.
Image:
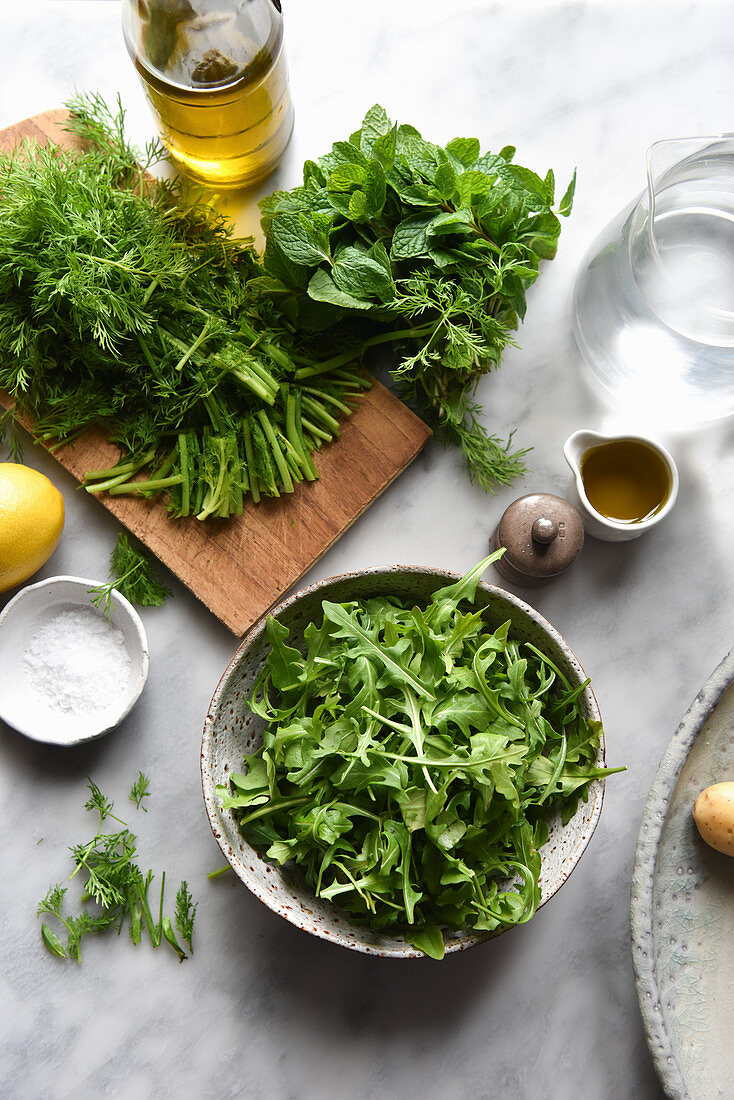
(232, 730)
(25, 708)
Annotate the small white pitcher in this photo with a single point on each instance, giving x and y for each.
(597, 525)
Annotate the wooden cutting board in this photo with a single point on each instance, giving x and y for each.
(240, 567)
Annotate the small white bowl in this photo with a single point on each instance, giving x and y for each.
(25, 709)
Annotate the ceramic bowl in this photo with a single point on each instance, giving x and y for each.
(230, 730)
(22, 704)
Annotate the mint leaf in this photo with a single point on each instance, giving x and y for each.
(322, 288)
(374, 125)
(358, 209)
(456, 221)
(359, 275)
(445, 181)
(384, 149)
(465, 150)
(299, 240)
(465, 233)
(347, 176)
(471, 186)
(410, 238)
(52, 942)
(375, 189)
(418, 194)
(566, 203)
(422, 157)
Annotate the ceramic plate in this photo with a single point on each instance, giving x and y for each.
(683, 907)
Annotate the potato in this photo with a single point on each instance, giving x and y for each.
(713, 812)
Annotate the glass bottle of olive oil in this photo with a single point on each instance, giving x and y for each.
(215, 74)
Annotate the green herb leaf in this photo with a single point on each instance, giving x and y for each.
(566, 203)
(300, 240)
(465, 150)
(429, 940)
(359, 275)
(410, 239)
(140, 790)
(52, 942)
(128, 305)
(134, 578)
(322, 288)
(185, 914)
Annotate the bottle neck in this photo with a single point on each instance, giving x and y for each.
(176, 48)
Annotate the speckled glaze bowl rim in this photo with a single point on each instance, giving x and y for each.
(466, 940)
(643, 879)
(142, 657)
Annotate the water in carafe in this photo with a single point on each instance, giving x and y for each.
(654, 300)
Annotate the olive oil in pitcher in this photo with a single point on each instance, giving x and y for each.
(625, 480)
(216, 77)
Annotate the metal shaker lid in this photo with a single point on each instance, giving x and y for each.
(542, 535)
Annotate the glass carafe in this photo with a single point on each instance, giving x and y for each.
(215, 74)
(654, 299)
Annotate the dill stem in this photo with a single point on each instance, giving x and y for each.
(116, 475)
(280, 462)
(314, 430)
(319, 412)
(133, 488)
(200, 339)
(250, 461)
(373, 341)
(219, 871)
(329, 398)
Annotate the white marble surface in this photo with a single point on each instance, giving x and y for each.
(263, 1011)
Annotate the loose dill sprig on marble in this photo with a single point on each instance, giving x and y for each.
(132, 575)
(115, 887)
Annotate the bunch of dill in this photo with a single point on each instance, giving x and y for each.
(124, 304)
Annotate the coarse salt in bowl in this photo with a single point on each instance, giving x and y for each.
(68, 672)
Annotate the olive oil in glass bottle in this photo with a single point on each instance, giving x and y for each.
(215, 74)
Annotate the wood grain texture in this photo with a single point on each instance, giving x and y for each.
(240, 567)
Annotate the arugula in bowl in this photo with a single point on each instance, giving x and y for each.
(411, 760)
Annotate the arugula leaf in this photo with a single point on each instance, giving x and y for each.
(428, 939)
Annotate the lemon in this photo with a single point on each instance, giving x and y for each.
(31, 519)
